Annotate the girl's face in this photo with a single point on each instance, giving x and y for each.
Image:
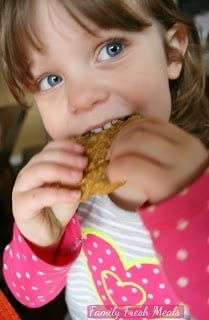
(88, 80)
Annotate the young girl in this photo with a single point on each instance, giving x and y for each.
(88, 64)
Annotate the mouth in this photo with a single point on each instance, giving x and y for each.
(106, 126)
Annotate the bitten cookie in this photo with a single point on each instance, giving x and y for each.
(97, 145)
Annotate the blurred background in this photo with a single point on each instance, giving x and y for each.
(192, 7)
(22, 135)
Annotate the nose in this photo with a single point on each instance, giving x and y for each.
(85, 93)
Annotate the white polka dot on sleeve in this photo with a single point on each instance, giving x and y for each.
(29, 278)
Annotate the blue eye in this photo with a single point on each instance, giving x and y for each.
(111, 50)
(49, 82)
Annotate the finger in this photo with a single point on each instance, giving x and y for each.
(146, 144)
(166, 129)
(46, 173)
(158, 127)
(37, 199)
(60, 157)
(68, 145)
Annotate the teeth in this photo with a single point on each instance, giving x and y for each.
(105, 127)
(97, 130)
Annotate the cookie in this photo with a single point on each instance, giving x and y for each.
(96, 146)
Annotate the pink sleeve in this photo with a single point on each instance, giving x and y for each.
(180, 231)
(33, 281)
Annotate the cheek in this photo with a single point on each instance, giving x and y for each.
(52, 124)
(52, 118)
(150, 95)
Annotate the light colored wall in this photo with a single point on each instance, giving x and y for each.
(32, 132)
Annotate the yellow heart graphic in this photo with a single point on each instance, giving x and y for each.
(123, 284)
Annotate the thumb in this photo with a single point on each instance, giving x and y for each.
(64, 212)
(120, 169)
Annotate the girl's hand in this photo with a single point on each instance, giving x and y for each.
(156, 159)
(42, 204)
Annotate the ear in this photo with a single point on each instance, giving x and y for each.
(177, 39)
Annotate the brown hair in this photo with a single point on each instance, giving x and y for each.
(190, 107)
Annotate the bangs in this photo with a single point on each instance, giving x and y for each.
(109, 14)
